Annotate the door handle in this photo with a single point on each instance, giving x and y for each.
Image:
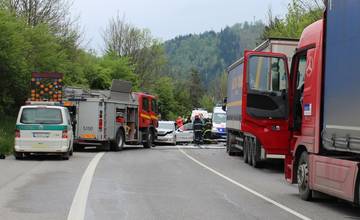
(275, 128)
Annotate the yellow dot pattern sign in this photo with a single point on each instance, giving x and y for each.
(46, 87)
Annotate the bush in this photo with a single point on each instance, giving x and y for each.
(7, 128)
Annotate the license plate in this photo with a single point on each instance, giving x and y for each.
(39, 145)
(40, 135)
(88, 136)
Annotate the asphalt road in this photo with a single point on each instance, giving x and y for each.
(159, 183)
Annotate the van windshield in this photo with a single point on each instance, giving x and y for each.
(219, 118)
(41, 116)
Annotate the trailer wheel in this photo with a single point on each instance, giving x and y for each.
(246, 149)
(120, 139)
(303, 177)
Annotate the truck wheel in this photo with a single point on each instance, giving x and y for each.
(245, 149)
(147, 143)
(303, 177)
(119, 144)
(256, 155)
(152, 139)
(250, 151)
(228, 145)
(78, 147)
(18, 156)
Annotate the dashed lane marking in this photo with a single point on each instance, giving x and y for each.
(281, 206)
(78, 206)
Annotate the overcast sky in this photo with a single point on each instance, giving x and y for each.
(169, 18)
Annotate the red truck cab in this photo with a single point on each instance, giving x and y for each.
(323, 149)
(148, 114)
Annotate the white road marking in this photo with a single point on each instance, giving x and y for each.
(78, 206)
(283, 207)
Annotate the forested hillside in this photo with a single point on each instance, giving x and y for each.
(210, 52)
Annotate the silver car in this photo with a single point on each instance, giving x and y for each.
(185, 134)
(166, 132)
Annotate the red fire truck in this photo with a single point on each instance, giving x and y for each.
(112, 118)
(317, 115)
(102, 118)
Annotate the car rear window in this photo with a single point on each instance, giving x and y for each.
(41, 116)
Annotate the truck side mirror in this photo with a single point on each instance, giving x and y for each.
(224, 104)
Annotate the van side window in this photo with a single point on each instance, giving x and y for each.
(145, 104)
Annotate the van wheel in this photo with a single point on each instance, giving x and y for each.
(120, 140)
(303, 177)
(18, 156)
(66, 155)
(71, 150)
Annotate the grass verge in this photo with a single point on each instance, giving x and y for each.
(7, 132)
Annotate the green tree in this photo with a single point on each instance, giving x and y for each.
(25, 49)
(207, 102)
(13, 63)
(301, 13)
(218, 88)
(164, 89)
(196, 89)
(144, 52)
(182, 96)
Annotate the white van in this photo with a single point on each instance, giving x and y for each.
(43, 129)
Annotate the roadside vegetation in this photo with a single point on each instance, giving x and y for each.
(7, 133)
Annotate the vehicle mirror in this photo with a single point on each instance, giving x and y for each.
(158, 108)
